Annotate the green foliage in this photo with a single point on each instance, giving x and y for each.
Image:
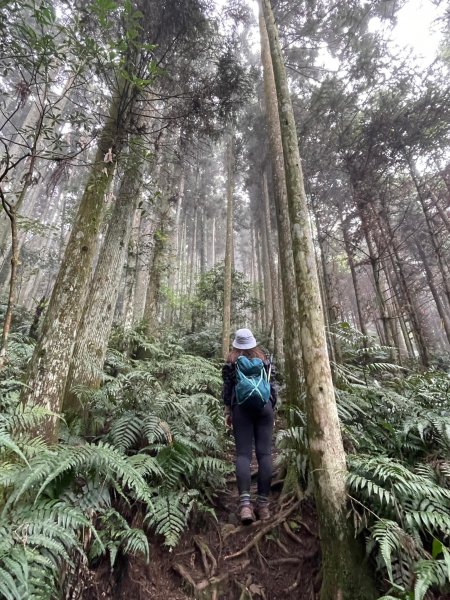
(208, 297)
(396, 425)
(20, 349)
(396, 428)
(151, 438)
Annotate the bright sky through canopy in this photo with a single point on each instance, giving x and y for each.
(416, 29)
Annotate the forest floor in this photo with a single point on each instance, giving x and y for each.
(277, 559)
(222, 560)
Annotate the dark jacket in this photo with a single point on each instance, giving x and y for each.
(229, 383)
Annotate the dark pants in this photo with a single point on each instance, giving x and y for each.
(246, 427)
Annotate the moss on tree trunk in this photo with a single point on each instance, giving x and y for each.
(345, 575)
(95, 325)
(50, 362)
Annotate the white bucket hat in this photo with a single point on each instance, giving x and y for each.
(244, 340)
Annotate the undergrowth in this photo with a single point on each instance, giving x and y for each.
(148, 443)
(144, 458)
(396, 428)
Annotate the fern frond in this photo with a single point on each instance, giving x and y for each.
(389, 535)
(168, 518)
(429, 573)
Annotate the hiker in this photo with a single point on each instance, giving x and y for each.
(250, 396)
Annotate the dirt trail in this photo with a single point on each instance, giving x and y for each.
(222, 560)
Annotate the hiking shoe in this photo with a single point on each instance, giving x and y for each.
(246, 514)
(262, 511)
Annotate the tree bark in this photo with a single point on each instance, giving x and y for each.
(436, 297)
(375, 263)
(95, 326)
(130, 270)
(351, 263)
(267, 279)
(159, 262)
(292, 345)
(226, 318)
(50, 362)
(344, 573)
(213, 243)
(276, 316)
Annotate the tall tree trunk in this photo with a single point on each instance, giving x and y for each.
(254, 276)
(202, 240)
(95, 326)
(226, 318)
(130, 270)
(268, 303)
(276, 315)
(213, 243)
(375, 264)
(406, 299)
(50, 362)
(260, 288)
(344, 573)
(160, 244)
(408, 304)
(143, 264)
(328, 288)
(193, 260)
(293, 357)
(351, 263)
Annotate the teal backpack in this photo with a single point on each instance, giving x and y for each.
(252, 383)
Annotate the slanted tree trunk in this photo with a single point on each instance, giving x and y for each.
(95, 326)
(436, 296)
(345, 575)
(432, 235)
(226, 319)
(50, 362)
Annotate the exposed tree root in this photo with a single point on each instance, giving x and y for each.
(201, 586)
(282, 547)
(295, 585)
(247, 591)
(261, 558)
(262, 532)
(205, 554)
(314, 534)
(291, 534)
(284, 561)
